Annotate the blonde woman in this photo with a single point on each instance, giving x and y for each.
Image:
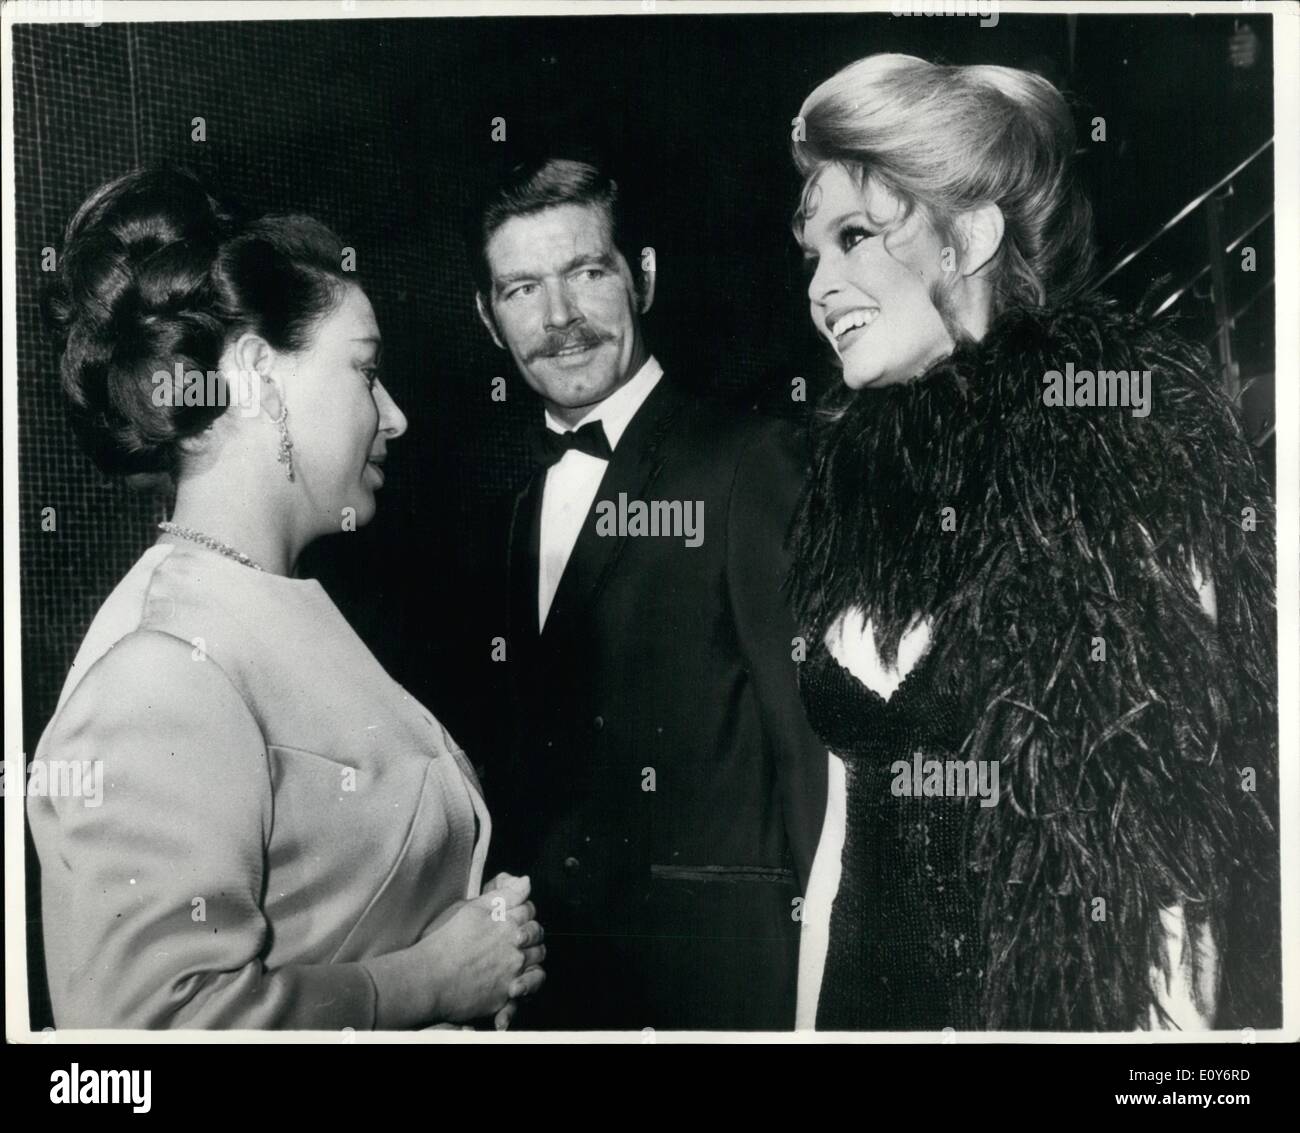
(1046, 640)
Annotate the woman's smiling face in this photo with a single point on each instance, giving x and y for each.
(872, 303)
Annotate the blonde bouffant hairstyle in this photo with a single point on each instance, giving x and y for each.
(948, 138)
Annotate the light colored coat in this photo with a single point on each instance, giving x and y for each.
(275, 809)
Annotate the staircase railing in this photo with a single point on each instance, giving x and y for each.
(1215, 266)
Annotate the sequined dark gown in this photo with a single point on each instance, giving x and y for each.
(904, 951)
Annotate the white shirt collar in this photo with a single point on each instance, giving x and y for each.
(618, 409)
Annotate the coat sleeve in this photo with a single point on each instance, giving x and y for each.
(1117, 555)
(152, 893)
(768, 481)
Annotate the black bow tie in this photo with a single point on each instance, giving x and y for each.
(591, 439)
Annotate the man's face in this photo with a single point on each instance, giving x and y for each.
(564, 304)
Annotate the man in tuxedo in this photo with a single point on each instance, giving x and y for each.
(663, 789)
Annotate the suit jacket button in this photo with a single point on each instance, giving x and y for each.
(598, 723)
(571, 865)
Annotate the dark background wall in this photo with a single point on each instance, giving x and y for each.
(382, 127)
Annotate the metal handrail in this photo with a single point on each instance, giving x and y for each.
(1251, 301)
(1182, 214)
(1246, 306)
(1181, 291)
(1224, 321)
(1247, 231)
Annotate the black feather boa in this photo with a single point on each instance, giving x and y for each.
(1120, 779)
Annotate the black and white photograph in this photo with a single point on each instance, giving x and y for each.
(650, 522)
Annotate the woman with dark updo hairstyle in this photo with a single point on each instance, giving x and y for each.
(285, 839)
(1043, 618)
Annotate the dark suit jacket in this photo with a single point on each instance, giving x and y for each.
(665, 792)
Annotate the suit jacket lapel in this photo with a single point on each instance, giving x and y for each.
(637, 460)
(524, 552)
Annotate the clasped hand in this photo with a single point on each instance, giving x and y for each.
(497, 943)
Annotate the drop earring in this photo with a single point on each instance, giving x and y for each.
(285, 455)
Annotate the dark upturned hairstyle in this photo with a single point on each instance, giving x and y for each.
(155, 271)
(543, 182)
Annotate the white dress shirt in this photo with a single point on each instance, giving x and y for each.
(573, 480)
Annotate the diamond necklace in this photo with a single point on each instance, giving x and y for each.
(209, 542)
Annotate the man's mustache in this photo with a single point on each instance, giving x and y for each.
(554, 343)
